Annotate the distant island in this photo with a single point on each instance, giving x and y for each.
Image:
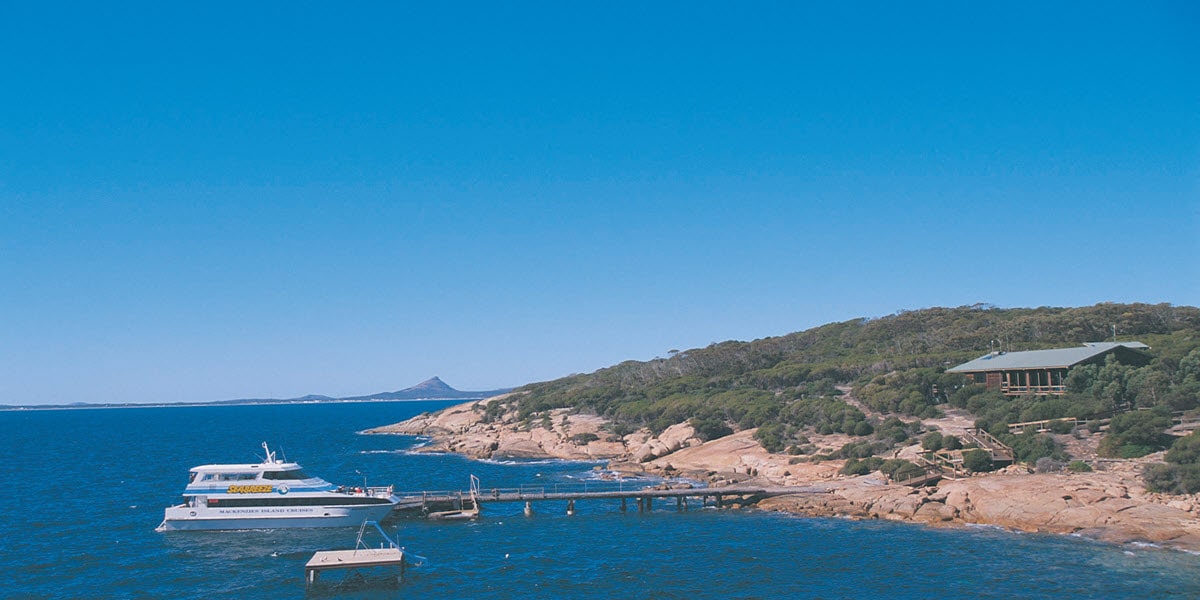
(430, 389)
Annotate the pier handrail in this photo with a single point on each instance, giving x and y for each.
(536, 490)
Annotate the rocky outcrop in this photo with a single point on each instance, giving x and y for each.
(1108, 505)
(468, 429)
(671, 440)
(1104, 506)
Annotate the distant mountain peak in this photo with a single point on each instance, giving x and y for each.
(433, 384)
(430, 389)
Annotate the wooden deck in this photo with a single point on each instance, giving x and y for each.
(462, 500)
(363, 557)
(948, 464)
(352, 559)
(389, 554)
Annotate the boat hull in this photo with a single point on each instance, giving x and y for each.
(184, 518)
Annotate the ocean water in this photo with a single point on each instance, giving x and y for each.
(84, 490)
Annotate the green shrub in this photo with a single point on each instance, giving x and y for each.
(912, 392)
(1135, 434)
(801, 449)
(617, 428)
(951, 442)
(895, 430)
(1185, 450)
(1078, 466)
(855, 466)
(899, 469)
(1029, 448)
(1061, 426)
(584, 439)
(1181, 473)
(708, 429)
(1173, 479)
(932, 441)
(860, 449)
(771, 436)
(978, 461)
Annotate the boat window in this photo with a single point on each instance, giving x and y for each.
(229, 477)
(296, 501)
(192, 476)
(285, 475)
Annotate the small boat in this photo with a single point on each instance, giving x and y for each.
(269, 495)
(463, 513)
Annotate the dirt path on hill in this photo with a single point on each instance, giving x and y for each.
(848, 397)
(956, 421)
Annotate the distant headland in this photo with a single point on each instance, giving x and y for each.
(430, 389)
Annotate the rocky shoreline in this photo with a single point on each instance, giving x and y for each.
(1110, 505)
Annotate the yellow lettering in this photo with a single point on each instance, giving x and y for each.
(248, 489)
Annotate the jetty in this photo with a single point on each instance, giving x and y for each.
(435, 502)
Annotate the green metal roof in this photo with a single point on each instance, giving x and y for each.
(1042, 359)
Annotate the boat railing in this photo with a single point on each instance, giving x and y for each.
(380, 491)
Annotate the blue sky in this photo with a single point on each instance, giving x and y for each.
(216, 201)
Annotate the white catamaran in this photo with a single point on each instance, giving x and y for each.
(269, 495)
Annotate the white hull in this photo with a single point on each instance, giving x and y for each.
(184, 518)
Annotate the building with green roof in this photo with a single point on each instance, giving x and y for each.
(1045, 371)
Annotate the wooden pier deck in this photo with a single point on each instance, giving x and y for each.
(430, 501)
(361, 558)
(389, 554)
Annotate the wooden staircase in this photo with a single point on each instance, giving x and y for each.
(948, 464)
(1000, 453)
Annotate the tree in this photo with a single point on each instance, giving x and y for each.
(1137, 433)
(771, 437)
(1181, 473)
(710, 429)
(978, 461)
(1148, 386)
(932, 441)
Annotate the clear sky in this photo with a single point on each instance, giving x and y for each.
(205, 201)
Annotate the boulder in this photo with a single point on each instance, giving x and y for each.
(935, 512)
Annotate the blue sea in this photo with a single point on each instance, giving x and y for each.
(84, 490)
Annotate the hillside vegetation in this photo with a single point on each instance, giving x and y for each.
(786, 386)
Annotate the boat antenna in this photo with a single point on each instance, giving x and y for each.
(270, 455)
(364, 478)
